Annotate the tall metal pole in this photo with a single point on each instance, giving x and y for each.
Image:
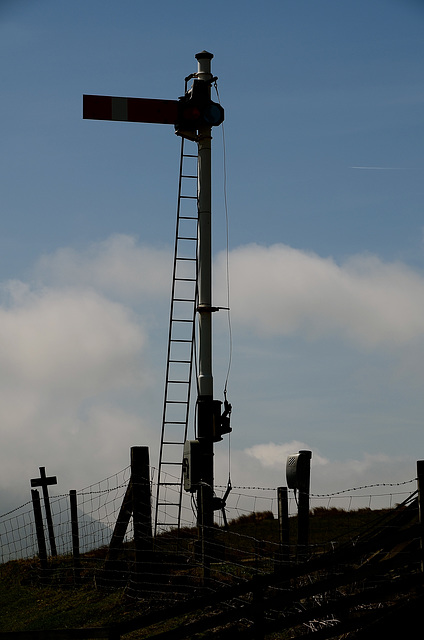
(193, 115)
(205, 379)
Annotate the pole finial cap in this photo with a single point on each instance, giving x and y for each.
(204, 55)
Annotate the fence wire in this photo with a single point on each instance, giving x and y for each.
(98, 505)
(174, 565)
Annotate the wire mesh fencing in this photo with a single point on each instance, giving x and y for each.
(246, 572)
(245, 542)
(98, 505)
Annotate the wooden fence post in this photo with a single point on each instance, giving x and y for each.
(283, 523)
(258, 611)
(303, 520)
(136, 502)
(75, 535)
(114, 571)
(420, 481)
(141, 509)
(39, 528)
(303, 504)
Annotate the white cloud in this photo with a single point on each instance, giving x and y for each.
(74, 371)
(332, 475)
(77, 387)
(118, 266)
(278, 290)
(275, 455)
(69, 339)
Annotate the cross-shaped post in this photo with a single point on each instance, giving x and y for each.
(43, 481)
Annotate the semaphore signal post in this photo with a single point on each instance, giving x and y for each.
(193, 117)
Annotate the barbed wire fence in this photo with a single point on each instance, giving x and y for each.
(244, 500)
(250, 546)
(365, 557)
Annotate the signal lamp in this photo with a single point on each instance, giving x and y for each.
(197, 110)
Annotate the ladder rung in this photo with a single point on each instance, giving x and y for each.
(189, 155)
(186, 238)
(175, 402)
(184, 300)
(189, 197)
(186, 279)
(189, 217)
(178, 382)
(181, 361)
(168, 504)
(185, 258)
(185, 175)
(180, 340)
(169, 442)
(174, 464)
(174, 422)
(170, 484)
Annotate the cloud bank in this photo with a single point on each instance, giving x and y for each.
(279, 290)
(118, 266)
(77, 343)
(75, 365)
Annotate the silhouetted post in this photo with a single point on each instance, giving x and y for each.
(39, 528)
(420, 480)
(121, 525)
(75, 534)
(258, 611)
(283, 523)
(44, 482)
(113, 569)
(193, 117)
(303, 505)
(303, 519)
(141, 508)
(205, 403)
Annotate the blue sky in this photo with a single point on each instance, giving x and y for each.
(324, 146)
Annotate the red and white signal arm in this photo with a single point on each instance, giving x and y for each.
(130, 109)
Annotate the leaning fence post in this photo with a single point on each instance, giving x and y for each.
(75, 534)
(420, 481)
(113, 568)
(39, 529)
(141, 508)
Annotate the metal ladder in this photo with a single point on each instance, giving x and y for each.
(176, 406)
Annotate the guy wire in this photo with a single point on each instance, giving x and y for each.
(227, 265)
(230, 336)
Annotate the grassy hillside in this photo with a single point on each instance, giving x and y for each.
(27, 604)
